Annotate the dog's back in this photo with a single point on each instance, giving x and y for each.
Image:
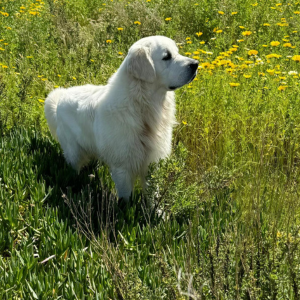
(75, 97)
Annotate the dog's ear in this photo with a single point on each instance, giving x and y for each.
(140, 64)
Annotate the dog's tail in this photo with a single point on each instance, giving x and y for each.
(50, 110)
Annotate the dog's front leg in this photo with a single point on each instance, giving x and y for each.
(123, 181)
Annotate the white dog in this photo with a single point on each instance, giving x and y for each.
(128, 122)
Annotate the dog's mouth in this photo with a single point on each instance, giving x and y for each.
(172, 88)
(193, 77)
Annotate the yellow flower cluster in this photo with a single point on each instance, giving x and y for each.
(5, 14)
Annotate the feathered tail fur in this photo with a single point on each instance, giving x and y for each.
(50, 110)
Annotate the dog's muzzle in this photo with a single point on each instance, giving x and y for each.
(192, 71)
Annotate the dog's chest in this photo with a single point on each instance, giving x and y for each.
(152, 130)
(148, 135)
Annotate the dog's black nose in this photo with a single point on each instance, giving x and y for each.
(194, 65)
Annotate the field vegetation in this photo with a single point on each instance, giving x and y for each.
(229, 195)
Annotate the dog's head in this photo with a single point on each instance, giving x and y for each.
(155, 59)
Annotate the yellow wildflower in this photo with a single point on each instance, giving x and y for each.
(287, 45)
(246, 33)
(234, 13)
(273, 55)
(275, 43)
(221, 12)
(199, 33)
(282, 24)
(168, 19)
(120, 28)
(108, 41)
(247, 76)
(252, 52)
(233, 84)
(282, 87)
(271, 72)
(205, 65)
(296, 58)
(137, 23)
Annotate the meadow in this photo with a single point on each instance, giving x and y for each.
(230, 191)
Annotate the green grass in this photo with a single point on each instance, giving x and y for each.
(229, 192)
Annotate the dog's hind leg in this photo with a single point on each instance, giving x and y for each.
(123, 181)
(73, 157)
(74, 154)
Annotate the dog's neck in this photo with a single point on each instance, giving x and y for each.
(140, 91)
(151, 105)
(147, 93)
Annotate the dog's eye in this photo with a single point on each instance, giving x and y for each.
(167, 56)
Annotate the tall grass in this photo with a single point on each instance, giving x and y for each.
(227, 221)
